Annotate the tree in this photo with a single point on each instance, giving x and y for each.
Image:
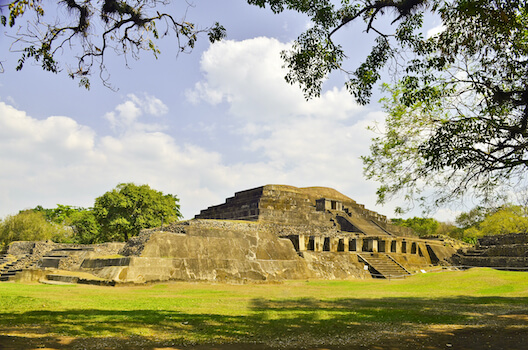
(128, 208)
(85, 227)
(422, 226)
(82, 222)
(26, 226)
(94, 28)
(508, 219)
(458, 114)
(474, 217)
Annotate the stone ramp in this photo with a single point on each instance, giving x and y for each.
(368, 227)
(383, 266)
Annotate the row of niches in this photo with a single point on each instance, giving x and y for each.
(357, 244)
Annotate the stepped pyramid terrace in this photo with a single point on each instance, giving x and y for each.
(268, 233)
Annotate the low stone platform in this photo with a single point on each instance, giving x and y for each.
(507, 252)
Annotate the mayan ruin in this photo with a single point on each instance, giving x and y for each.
(269, 233)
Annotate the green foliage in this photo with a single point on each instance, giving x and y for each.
(27, 226)
(80, 221)
(85, 227)
(59, 215)
(93, 29)
(117, 215)
(505, 220)
(422, 226)
(127, 209)
(474, 217)
(459, 114)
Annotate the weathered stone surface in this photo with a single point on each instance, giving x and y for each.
(329, 265)
(296, 207)
(205, 250)
(501, 251)
(514, 238)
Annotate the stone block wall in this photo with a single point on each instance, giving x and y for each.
(243, 206)
(313, 206)
(501, 251)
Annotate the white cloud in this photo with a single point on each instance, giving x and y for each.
(149, 104)
(56, 160)
(126, 115)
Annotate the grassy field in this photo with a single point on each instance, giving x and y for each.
(291, 314)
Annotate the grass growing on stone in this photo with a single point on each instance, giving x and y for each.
(294, 312)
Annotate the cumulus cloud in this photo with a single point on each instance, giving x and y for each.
(248, 75)
(126, 116)
(57, 160)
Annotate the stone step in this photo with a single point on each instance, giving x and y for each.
(63, 278)
(69, 279)
(44, 281)
(73, 249)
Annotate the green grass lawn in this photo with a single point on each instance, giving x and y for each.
(296, 311)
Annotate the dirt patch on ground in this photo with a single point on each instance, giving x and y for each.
(514, 337)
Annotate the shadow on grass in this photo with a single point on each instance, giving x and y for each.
(387, 323)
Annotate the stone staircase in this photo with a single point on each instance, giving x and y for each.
(507, 252)
(9, 267)
(53, 258)
(383, 266)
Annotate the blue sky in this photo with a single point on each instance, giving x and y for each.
(201, 125)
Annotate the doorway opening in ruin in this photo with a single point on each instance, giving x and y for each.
(311, 244)
(404, 247)
(341, 245)
(413, 248)
(393, 247)
(352, 245)
(381, 246)
(432, 255)
(295, 241)
(326, 244)
(420, 252)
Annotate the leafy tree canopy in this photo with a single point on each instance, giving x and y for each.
(60, 215)
(505, 220)
(27, 226)
(422, 226)
(458, 114)
(128, 208)
(92, 29)
(474, 217)
(86, 229)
